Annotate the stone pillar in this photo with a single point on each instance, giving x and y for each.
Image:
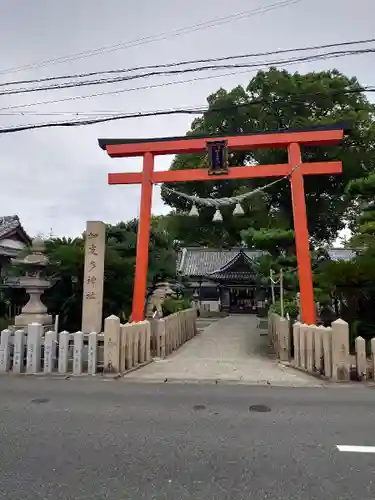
(112, 328)
(160, 338)
(310, 348)
(302, 345)
(296, 343)
(78, 353)
(50, 344)
(318, 348)
(327, 351)
(19, 351)
(34, 348)
(63, 352)
(5, 351)
(283, 339)
(360, 357)
(148, 342)
(92, 305)
(340, 350)
(92, 353)
(127, 346)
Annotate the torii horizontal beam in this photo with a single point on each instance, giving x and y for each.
(120, 148)
(292, 140)
(246, 172)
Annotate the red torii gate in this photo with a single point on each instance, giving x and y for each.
(292, 140)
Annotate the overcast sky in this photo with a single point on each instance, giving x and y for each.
(56, 179)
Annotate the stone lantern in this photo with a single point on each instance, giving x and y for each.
(34, 284)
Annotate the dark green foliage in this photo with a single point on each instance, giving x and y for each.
(67, 265)
(279, 100)
(290, 308)
(172, 305)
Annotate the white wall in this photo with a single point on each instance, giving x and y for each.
(210, 305)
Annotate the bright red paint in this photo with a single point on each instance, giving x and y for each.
(290, 140)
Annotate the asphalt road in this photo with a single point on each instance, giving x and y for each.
(87, 439)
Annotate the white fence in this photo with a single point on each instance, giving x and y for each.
(33, 352)
(170, 333)
(363, 366)
(316, 349)
(118, 349)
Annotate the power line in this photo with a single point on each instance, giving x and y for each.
(152, 38)
(174, 82)
(186, 62)
(131, 89)
(214, 67)
(189, 111)
(109, 112)
(120, 91)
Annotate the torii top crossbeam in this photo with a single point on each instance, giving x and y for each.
(289, 139)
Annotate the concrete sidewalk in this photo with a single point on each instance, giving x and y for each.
(231, 349)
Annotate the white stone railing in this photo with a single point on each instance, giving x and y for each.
(118, 349)
(171, 332)
(32, 351)
(322, 351)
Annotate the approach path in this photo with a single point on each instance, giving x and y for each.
(229, 349)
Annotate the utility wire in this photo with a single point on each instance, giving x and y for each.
(215, 67)
(145, 87)
(153, 38)
(189, 62)
(120, 91)
(188, 111)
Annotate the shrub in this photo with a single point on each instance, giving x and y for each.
(289, 308)
(171, 305)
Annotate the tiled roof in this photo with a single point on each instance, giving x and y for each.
(240, 268)
(345, 254)
(11, 223)
(198, 261)
(8, 223)
(10, 227)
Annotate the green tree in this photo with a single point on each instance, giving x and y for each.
(278, 100)
(352, 284)
(275, 241)
(362, 191)
(66, 270)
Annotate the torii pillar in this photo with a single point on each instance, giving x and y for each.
(290, 140)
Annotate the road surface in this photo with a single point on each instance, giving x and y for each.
(97, 440)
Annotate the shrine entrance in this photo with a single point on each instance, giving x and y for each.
(243, 300)
(218, 148)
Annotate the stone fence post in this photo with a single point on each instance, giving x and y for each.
(112, 344)
(5, 351)
(340, 351)
(19, 351)
(34, 348)
(50, 344)
(283, 339)
(361, 360)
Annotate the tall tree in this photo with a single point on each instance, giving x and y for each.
(362, 191)
(280, 100)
